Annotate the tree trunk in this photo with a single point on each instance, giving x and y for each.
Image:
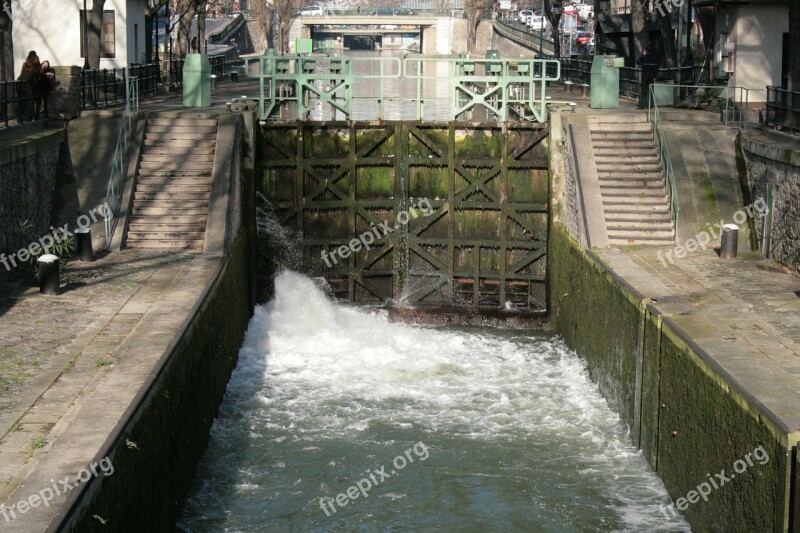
(261, 14)
(201, 25)
(554, 21)
(667, 38)
(94, 36)
(6, 45)
(640, 27)
(186, 10)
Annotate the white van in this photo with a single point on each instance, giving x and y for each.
(311, 11)
(536, 22)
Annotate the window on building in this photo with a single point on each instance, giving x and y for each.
(107, 49)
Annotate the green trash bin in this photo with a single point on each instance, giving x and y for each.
(196, 81)
(605, 82)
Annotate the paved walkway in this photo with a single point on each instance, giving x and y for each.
(54, 348)
(744, 312)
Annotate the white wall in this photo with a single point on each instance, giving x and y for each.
(52, 29)
(757, 33)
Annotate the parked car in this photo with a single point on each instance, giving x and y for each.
(311, 11)
(403, 12)
(536, 22)
(524, 14)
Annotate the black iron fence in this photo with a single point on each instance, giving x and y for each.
(783, 109)
(579, 71)
(106, 87)
(20, 102)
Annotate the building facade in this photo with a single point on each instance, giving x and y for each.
(54, 29)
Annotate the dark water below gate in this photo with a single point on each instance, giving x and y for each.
(426, 429)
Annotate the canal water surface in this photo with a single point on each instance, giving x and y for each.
(336, 419)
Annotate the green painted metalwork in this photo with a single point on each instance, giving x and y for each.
(507, 89)
(484, 242)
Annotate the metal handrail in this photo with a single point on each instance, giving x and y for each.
(119, 166)
(664, 159)
(783, 109)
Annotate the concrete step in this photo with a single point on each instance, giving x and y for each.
(642, 241)
(168, 150)
(625, 174)
(624, 150)
(179, 135)
(660, 209)
(168, 158)
(153, 173)
(149, 210)
(161, 166)
(602, 144)
(182, 121)
(192, 188)
(622, 135)
(137, 228)
(170, 219)
(193, 128)
(176, 181)
(168, 235)
(636, 168)
(172, 195)
(638, 217)
(642, 225)
(635, 233)
(174, 244)
(173, 143)
(643, 198)
(177, 206)
(620, 123)
(630, 183)
(607, 159)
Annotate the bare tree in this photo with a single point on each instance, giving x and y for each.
(667, 36)
(263, 16)
(284, 10)
(555, 23)
(640, 27)
(6, 45)
(185, 10)
(475, 11)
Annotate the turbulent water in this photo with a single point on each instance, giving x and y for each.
(336, 419)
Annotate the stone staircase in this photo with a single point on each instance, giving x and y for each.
(173, 185)
(632, 183)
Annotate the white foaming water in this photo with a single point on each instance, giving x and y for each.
(519, 438)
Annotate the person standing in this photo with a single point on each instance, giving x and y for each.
(46, 82)
(649, 64)
(28, 77)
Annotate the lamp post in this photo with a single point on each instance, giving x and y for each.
(85, 38)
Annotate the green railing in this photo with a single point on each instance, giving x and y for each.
(731, 102)
(505, 88)
(659, 138)
(119, 166)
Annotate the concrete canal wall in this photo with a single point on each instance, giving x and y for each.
(157, 444)
(688, 416)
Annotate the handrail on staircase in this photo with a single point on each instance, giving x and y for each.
(119, 166)
(659, 138)
(736, 101)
